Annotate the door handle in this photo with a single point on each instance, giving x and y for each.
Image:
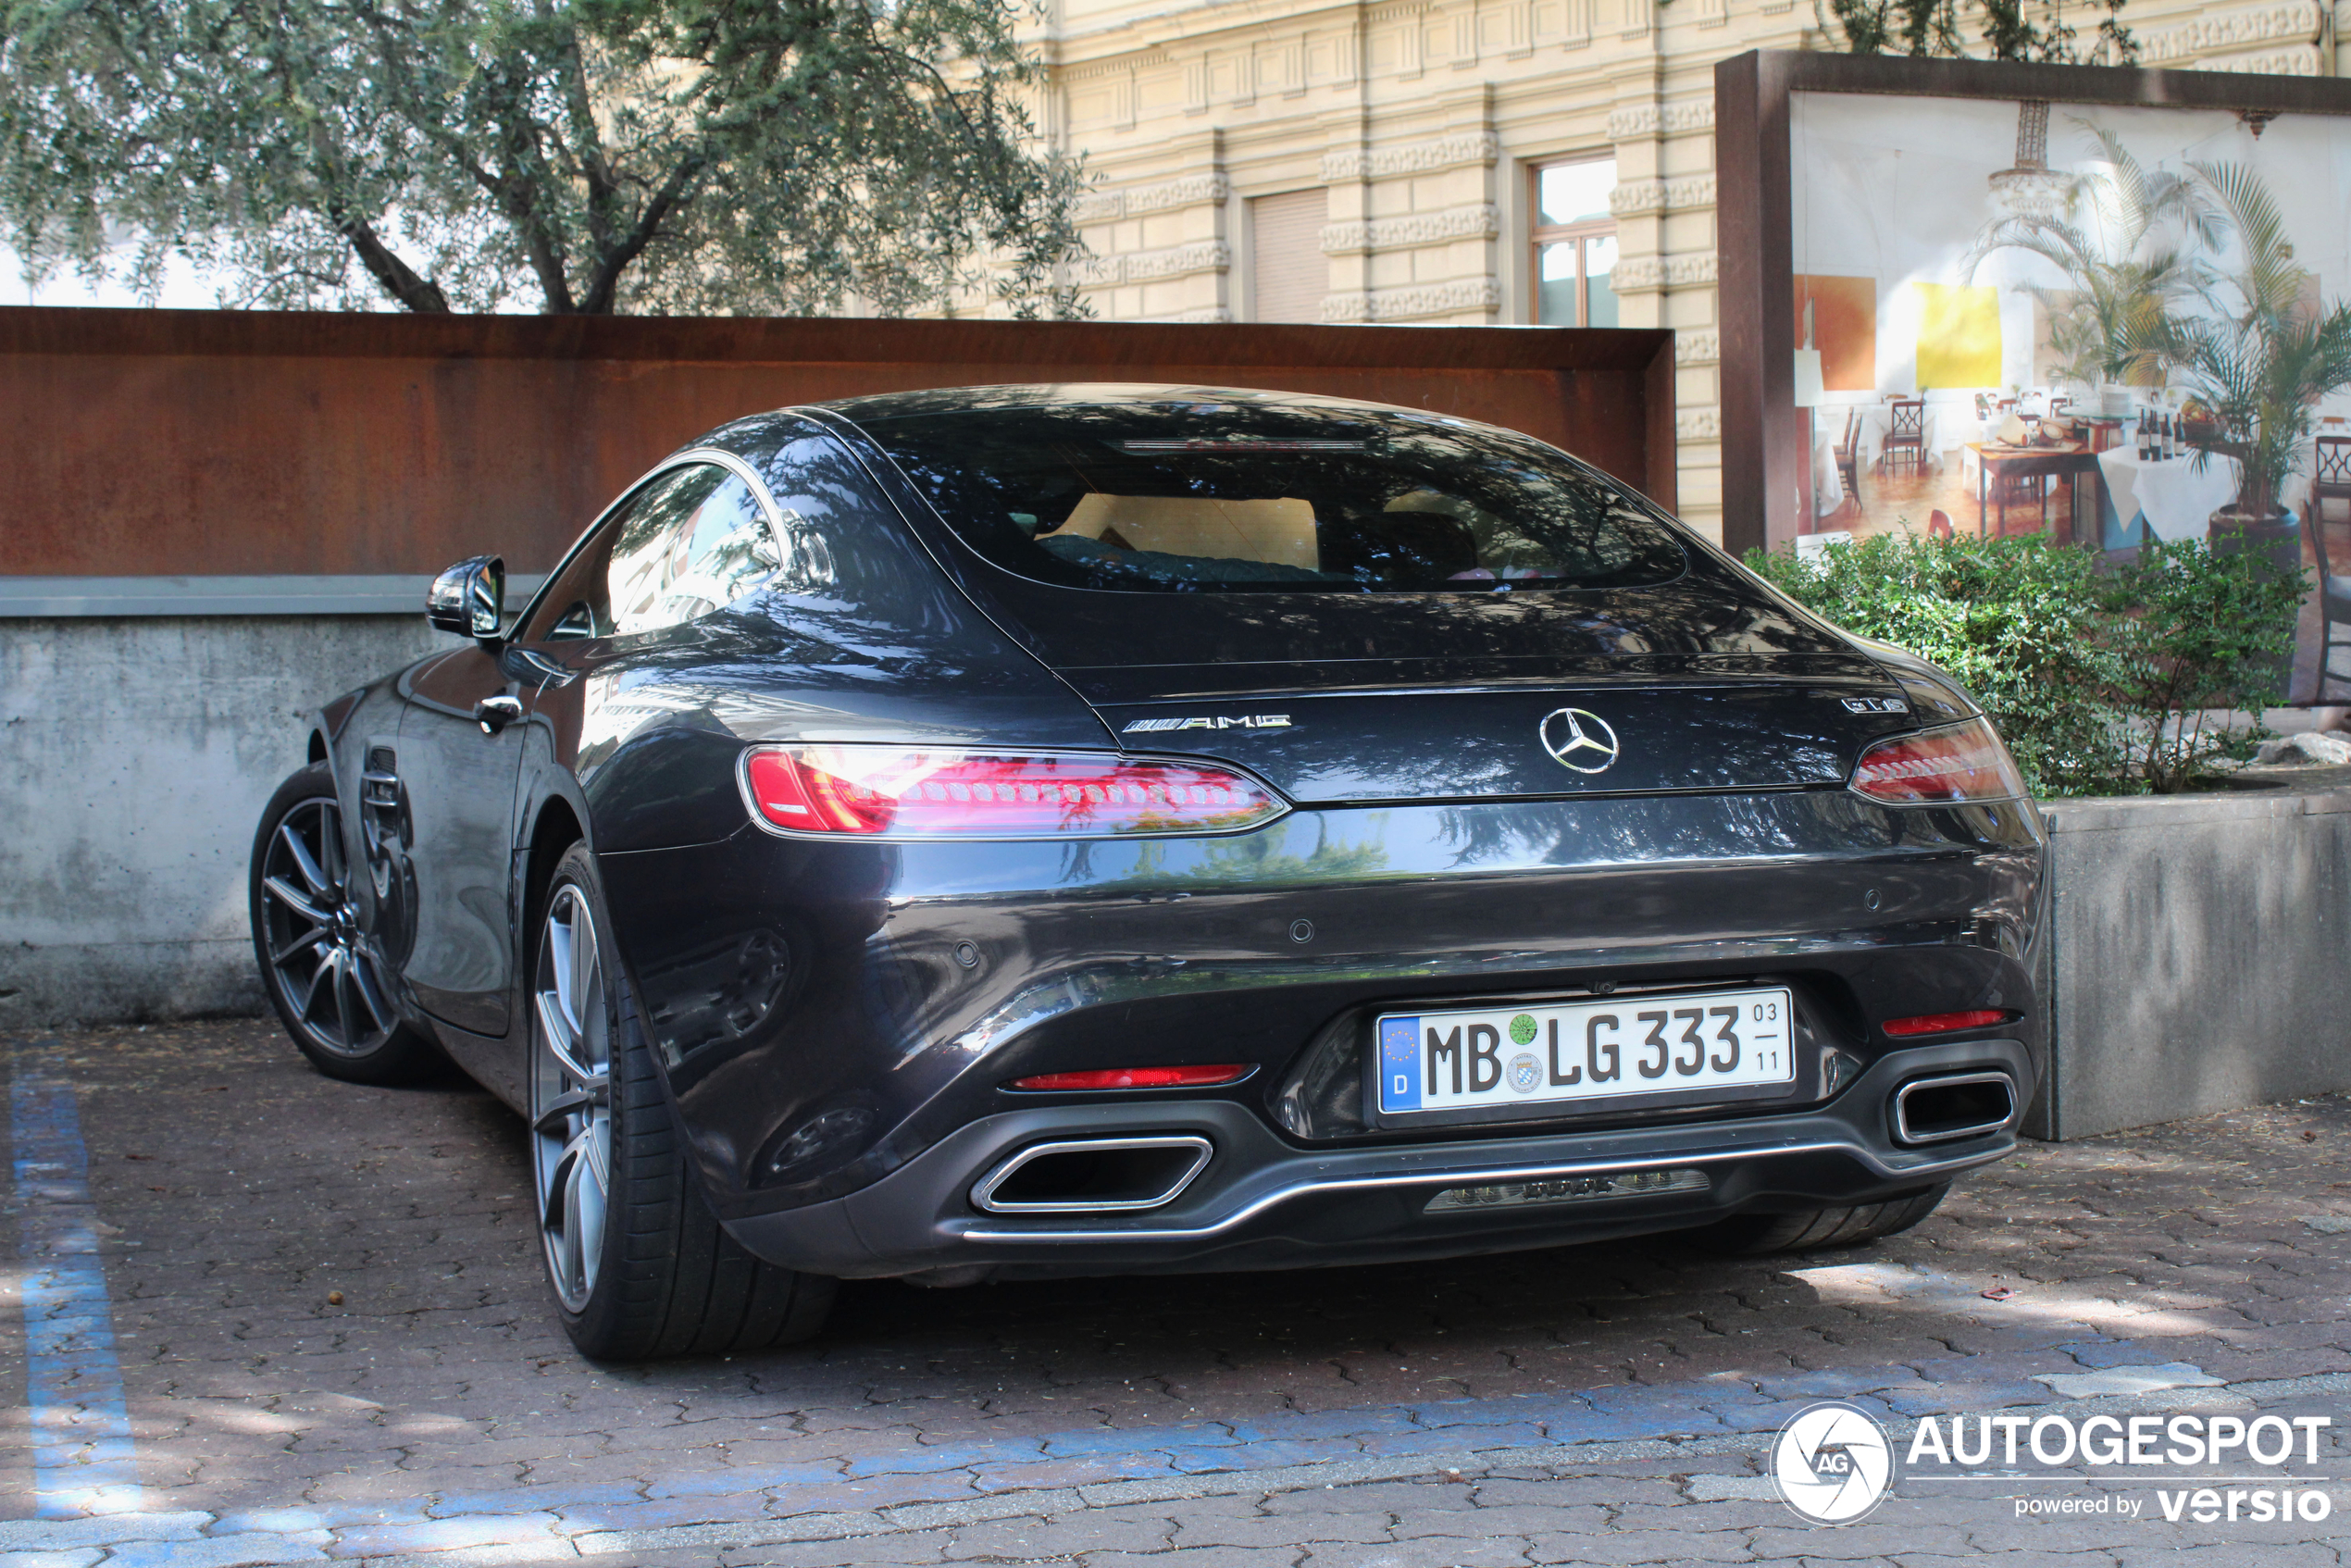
(493, 713)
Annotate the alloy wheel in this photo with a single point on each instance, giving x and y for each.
(571, 1096)
(318, 956)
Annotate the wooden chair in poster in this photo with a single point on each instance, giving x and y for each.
(2330, 498)
(1848, 458)
(2332, 482)
(1906, 432)
(2334, 603)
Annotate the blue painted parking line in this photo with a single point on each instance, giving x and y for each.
(82, 1461)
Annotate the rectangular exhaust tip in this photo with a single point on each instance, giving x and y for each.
(1093, 1176)
(1959, 1106)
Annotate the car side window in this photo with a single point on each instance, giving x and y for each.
(699, 547)
(689, 542)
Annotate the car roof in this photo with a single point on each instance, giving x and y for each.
(1137, 394)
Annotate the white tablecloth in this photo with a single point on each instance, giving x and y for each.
(1828, 485)
(2177, 500)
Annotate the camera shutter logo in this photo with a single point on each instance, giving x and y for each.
(1832, 1462)
(1579, 738)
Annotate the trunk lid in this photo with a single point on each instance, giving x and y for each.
(1354, 731)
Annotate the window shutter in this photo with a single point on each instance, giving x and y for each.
(1285, 247)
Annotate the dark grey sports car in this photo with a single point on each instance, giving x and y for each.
(1033, 831)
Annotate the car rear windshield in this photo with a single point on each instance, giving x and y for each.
(1151, 498)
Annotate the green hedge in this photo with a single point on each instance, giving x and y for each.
(2095, 676)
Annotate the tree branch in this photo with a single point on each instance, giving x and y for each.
(399, 280)
(605, 286)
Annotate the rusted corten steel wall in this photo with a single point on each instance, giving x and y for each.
(194, 442)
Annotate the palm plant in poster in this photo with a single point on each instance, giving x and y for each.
(2128, 263)
(2261, 354)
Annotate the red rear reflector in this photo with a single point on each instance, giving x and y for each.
(1944, 1023)
(873, 790)
(1139, 1077)
(1958, 762)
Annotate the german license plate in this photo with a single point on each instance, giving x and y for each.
(1585, 1052)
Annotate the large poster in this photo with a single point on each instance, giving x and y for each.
(1990, 297)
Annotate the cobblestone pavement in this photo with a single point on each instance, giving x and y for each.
(183, 1387)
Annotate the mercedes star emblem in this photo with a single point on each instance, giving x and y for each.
(1579, 738)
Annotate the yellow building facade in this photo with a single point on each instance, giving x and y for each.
(1462, 162)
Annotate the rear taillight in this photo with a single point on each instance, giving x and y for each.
(1958, 762)
(894, 791)
(1945, 1023)
(1138, 1077)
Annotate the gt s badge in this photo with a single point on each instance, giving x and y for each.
(1876, 705)
(1247, 721)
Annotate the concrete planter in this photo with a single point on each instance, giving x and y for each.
(2195, 956)
(141, 751)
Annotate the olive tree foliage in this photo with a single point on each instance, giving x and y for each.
(2008, 28)
(580, 157)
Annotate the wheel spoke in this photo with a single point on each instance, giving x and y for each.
(556, 1112)
(317, 935)
(583, 997)
(557, 1030)
(363, 981)
(322, 975)
(562, 937)
(342, 999)
(300, 902)
(331, 856)
(588, 1218)
(574, 1266)
(312, 872)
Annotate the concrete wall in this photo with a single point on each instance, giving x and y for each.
(139, 751)
(2198, 959)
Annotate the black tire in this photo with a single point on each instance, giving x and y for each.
(641, 1269)
(1810, 1230)
(322, 972)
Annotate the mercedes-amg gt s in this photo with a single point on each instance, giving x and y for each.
(1031, 831)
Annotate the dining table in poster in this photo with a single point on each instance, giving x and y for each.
(1995, 463)
(2175, 496)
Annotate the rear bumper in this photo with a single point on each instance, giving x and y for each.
(1263, 1203)
(828, 1014)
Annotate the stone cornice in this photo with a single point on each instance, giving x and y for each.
(1409, 303)
(1143, 266)
(1193, 190)
(1111, 65)
(1206, 316)
(1455, 151)
(1482, 221)
(2302, 62)
(1659, 120)
(2299, 21)
(1637, 197)
(1647, 274)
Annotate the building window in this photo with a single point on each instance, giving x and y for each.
(1574, 240)
(1291, 275)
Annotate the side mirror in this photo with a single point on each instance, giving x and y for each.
(470, 598)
